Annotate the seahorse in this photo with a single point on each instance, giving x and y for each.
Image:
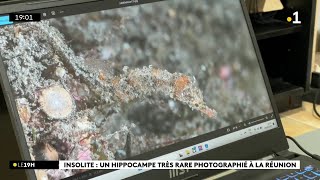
(149, 80)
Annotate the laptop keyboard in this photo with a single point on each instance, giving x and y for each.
(308, 172)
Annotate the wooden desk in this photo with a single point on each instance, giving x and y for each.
(300, 121)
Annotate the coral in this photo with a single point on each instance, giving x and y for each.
(56, 102)
(23, 109)
(57, 174)
(41, 175)
(46, 152)
(60, 72)
(84, 155)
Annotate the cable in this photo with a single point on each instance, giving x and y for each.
(315, 103)
(314, 156)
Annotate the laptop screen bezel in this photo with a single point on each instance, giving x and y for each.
(254, 147)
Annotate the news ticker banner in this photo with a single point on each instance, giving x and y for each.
(261, 164)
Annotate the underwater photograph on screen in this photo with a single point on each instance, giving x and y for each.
(118, 83)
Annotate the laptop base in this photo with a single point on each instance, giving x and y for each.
(309, 169)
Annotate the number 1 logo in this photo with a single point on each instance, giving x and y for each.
(296, 18)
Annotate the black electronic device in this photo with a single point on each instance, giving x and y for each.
(147, 79)
(285, 39)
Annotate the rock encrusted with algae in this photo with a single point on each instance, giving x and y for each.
(23, 109)
(88, 103)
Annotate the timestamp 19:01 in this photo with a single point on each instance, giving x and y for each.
(24, 17)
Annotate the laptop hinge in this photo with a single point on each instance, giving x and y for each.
(268, 157)
(285, 154)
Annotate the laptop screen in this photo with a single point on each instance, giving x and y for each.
(166, 80)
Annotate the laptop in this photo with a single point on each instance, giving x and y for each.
(139, 80)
